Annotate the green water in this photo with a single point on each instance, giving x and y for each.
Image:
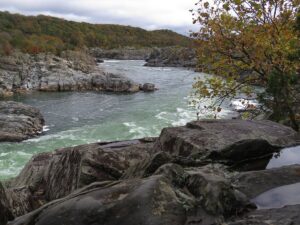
(86, 117)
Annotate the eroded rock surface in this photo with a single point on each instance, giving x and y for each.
(73, 71)
(49, 176)
(19, 121)
(229, 141)
(184, 177)
(161, 199)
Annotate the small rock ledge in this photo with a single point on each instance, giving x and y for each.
(19, 122)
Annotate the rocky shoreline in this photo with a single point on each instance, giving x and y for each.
(19, 122)
(172, 57)
(121, 54)
(188, 175)
(73, 71)
(154, 57)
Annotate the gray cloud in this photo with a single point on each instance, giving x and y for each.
(154, 14)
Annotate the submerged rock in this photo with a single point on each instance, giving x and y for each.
(148, 87)
(18, 121)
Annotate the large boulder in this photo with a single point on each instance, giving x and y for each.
(49, 176)
(288, 215)
(183, 177)
(227, 141)
(169, 197)
(18, 121)
(151, 201)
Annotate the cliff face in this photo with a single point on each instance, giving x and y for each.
(73, 71)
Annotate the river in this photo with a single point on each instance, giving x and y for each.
(74, 118)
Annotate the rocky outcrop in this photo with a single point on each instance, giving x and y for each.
(73, 167)
(172, 57)
(18, 121)
(227, 141)
(184, 177)
(156, 200)
(73, 71)
(121, 54)
(148, 87)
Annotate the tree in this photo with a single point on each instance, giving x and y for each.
(245, 43)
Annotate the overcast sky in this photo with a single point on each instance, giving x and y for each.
(148, 14)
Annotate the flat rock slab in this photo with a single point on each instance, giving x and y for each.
(231, 140)
(19, 121)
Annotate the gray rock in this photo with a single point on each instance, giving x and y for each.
(74, 71)
(49, 176)
(179, 178)
(18, 121)
(121, 54)
(150, 201)
(229, 141)
(253, 183)
(148, 166)
(148, 87)
(162, 199)
(172, 57)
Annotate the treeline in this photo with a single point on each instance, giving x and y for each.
(34, 34)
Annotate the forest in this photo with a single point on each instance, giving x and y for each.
(35, 34)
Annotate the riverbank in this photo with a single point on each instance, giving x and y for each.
(74, 118)
(72, 71)
(189, 173)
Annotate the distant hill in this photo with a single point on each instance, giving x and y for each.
(34, 34)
